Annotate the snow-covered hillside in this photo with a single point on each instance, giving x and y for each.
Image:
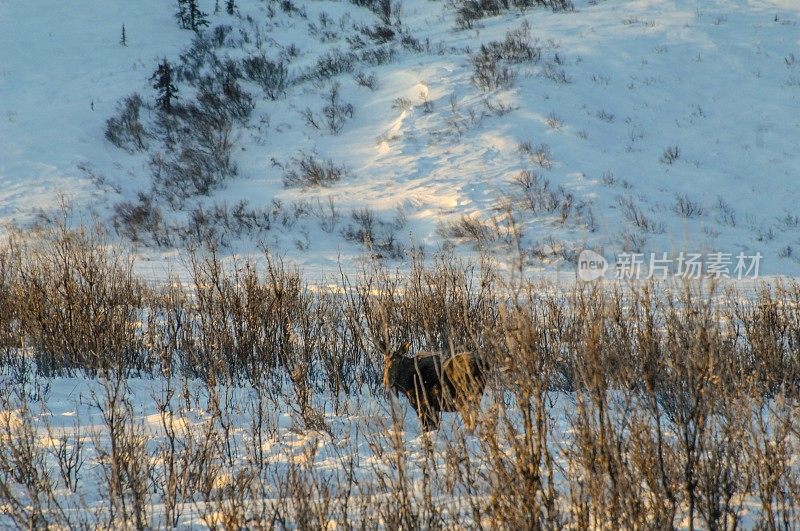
(652, 126)
(350, 138)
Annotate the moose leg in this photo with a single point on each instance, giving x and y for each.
(427, 404)
(427, 411)
(428, 416)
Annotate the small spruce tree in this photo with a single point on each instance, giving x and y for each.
(124, 39)
(166, 90)
(190, 16)
(197, 19)
(182, 14)
(230, 6)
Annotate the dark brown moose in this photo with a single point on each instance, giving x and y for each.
(433, 386)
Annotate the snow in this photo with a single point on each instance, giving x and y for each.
(714, 79)
(356, 437)
(57, 61)
(361, 429)
(719, 79)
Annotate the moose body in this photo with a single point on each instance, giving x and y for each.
(432, 386)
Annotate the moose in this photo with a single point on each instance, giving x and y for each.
(432, 385)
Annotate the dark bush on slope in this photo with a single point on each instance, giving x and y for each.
(126, 130)
(272, 76)
(468, 12)
(307, 170)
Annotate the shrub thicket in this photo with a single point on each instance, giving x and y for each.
(681, 402)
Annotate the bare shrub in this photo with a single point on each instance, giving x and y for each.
(606, 116)
(470, 228)
(330, 65)
(222, 95)
(555, 72)
(377, 55)
(516, 48)
(124, 460)
(141, 220)
(724, 213)
(198, 137)
(324, 28)
(537, 193)
(204, 159)
(375, 234)
(200, 52)
(195, 171)
(272, 76)
(307, 170)
(82, 301)
(613, 406)
(636, 216)
(28, 490)
(219, 35)
(555, 5)
(126, 130)
(468, 12)
(335, 113)
(539, 154)
(219, 223)
(686, 207)
(490, 65)
(386, 10)
(402, 104)
(771, 446)
(379, 33)
(369, 81)
(554, 121)
(327, 214)
(584, 215)
(489, 73)
(670, 155)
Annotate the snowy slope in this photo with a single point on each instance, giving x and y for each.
(61, 74)
(618, 84)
